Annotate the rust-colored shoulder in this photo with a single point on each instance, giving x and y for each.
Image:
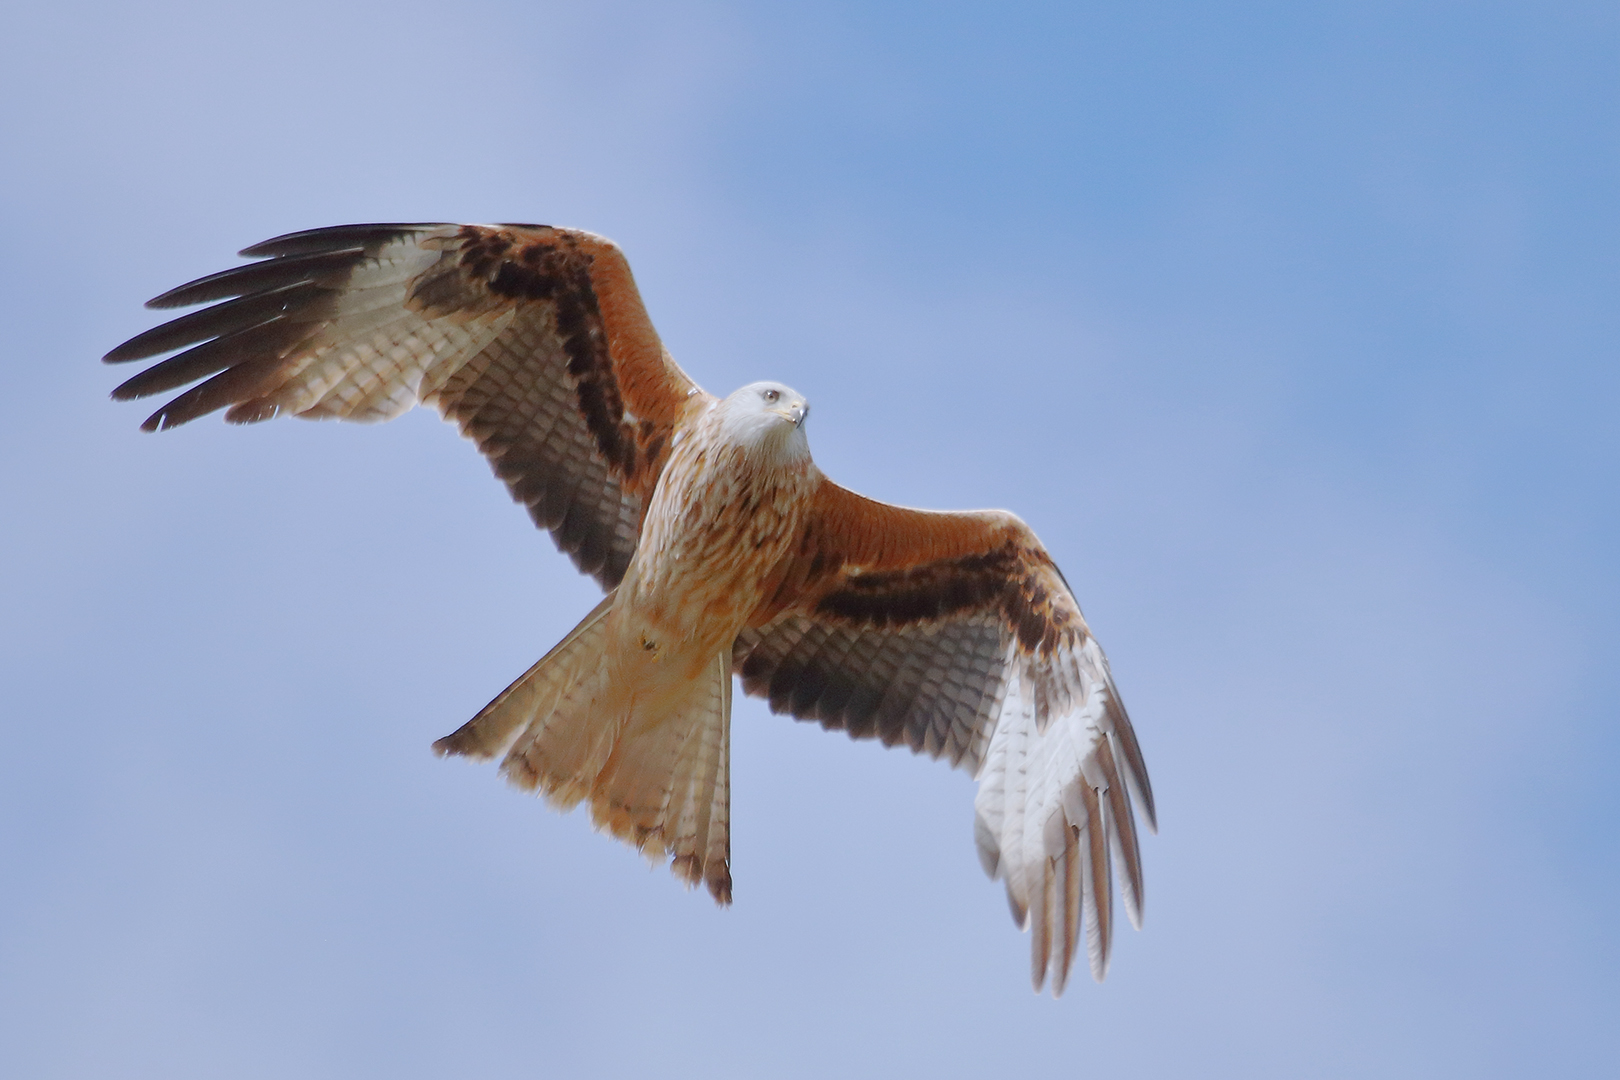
(628, 390)
(875, 535)
(867, 563)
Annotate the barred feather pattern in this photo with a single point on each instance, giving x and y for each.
(933, 686)
(1053, 814)
(667, 788)
(567, 730)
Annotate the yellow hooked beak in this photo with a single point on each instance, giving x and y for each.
(794, 413)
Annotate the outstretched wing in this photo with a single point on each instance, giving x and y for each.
(955, 634)
(532, 339)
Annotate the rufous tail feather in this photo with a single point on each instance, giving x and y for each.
(660, 783)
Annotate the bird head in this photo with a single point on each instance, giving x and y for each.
(767, 417)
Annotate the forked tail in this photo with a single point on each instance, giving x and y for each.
(658, 782)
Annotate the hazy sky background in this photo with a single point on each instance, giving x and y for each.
(1290, 328)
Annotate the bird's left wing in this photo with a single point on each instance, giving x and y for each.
(955, 634)
(532, 339)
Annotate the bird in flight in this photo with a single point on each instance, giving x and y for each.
(722, 548)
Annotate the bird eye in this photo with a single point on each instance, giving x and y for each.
(772, 395)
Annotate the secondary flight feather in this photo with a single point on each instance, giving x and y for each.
(721, 546)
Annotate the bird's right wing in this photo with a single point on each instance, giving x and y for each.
(532, 339)
(954, 634)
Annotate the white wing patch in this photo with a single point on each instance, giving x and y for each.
(370, 358)
(380, 376)
(1051, 805)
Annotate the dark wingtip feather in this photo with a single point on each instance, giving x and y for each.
(1066, 916)
(229, 317)
(233, 386)
(988, 847)
(133, 349)
(1136, 774)
(201, 361)
(330, 238)
(259, 277)
(159, 421)
(252, 412)
(1122, 833)
(1097, 883)
(128, 390)
(1040, 930)
(720, 886)
(1020, 913)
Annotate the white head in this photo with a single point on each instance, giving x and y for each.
(766, 418)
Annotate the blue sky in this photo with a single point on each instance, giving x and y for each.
(1290, 328)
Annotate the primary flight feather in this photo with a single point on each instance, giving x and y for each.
(723, 550)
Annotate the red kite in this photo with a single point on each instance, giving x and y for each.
(723, 549)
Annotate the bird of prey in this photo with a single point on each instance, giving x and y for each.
(721, 546)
